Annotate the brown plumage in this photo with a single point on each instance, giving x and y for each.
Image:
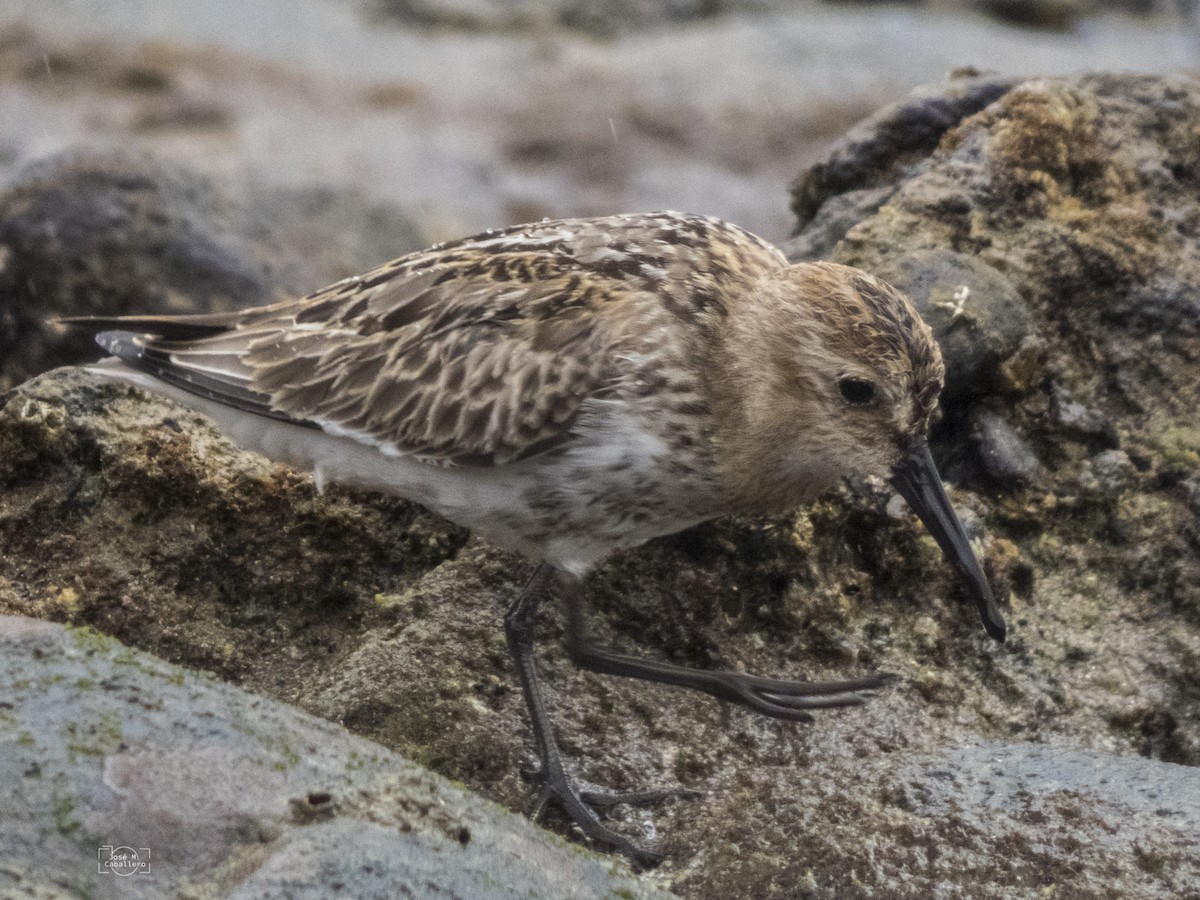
(479, 350)
(572, 387)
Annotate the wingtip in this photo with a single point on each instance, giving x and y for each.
(118, 343)
(89, 322)
(174, 327)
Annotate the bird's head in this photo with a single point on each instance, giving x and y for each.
(831, 372)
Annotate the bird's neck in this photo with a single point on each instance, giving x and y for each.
(767, 431)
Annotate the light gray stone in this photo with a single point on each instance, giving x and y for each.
(234, 795)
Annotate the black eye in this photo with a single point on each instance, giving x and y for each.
(856, 391)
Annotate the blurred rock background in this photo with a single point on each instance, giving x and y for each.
(472, 114)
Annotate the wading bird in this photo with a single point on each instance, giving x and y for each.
(571, 388)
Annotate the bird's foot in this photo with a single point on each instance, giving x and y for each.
(791, 699)
(582, 806)
(604, 800)
(774, 697)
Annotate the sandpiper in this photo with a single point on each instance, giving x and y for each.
(570, 388)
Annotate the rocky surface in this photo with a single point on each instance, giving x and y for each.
(131, 514)
(232, 795)
(1047, 237)
(1049, 241)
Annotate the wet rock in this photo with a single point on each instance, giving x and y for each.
(976, 314)
(1003, 455)
(877, 152)
(1077, 421)
(87, 233)
(219, 792)
(1114, 470)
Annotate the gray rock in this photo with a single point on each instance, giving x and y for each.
(234, 795)
(1108, 474)
(881, 150)
(87, 234)
(1050, 798)
(1191, 491)
(1114, 469)
(1003, 454)
(1079, 422)
(830, 223)
(975, 312)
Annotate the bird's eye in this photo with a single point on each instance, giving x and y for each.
(856, 391)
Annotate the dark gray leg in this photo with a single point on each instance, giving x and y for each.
(556, 784)
(769, 696)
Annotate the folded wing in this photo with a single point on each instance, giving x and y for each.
(475, 353)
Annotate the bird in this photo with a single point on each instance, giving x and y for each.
(571, 388)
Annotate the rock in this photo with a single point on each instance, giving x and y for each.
(977, 315)
(877, 152)
(1191, 490)
(1087, 793)
(1114, 471)
(1021, 372)
(1078, 193)
(832, 220)
(86, 233)
(130, 513)
(1004, 456)
(218, 792)
(1077, 421)
(1109, 473)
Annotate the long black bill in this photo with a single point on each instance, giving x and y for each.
(916, 478)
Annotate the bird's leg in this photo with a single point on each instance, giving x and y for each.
(773, 697)
(556, 784)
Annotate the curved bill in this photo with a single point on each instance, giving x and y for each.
(916, 478)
